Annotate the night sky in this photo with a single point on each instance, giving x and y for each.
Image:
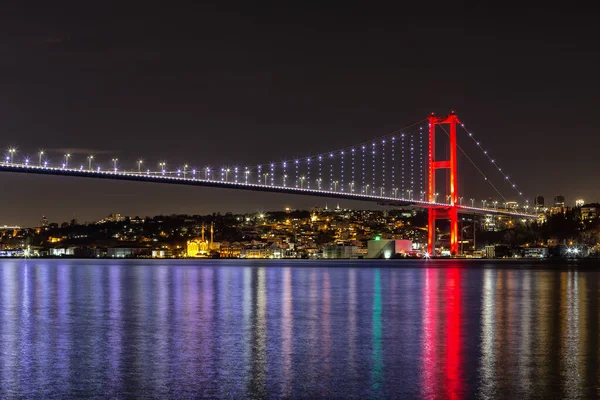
(224, 84)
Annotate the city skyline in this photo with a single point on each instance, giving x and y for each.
(319, 203)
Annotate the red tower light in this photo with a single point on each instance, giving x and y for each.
(438, 211)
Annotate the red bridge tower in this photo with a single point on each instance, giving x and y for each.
(439, 210)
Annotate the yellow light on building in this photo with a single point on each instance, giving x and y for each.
(192, 248)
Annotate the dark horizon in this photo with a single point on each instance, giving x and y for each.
(217, 85)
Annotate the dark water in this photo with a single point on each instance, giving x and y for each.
(176, 329)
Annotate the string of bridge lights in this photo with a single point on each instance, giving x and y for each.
(393, 144)
(341, 152)
(373, 171)
(332, 156)
(421, 185)
(511, 183)
(402, 163)
(485, 178)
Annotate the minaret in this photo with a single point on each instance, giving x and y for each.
(203, 232)
(212, 231)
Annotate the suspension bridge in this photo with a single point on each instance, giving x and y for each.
(396, 169)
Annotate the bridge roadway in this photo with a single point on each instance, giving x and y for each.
(172, 178)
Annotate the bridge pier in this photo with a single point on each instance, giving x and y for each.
(449, 213)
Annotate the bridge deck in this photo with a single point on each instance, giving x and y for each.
(172, 178)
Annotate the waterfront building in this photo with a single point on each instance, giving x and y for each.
(128, 252)
(535, 252)
(339, 251)
(255, 252)
(230, 250)
(387, 248)
(490, 251)
(200, 247)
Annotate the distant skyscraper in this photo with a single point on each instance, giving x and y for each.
(539, 201)
(559, 201)
(44, 221)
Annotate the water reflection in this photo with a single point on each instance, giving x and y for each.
(453, 381)
(258, 378)
(442, 334)
(377, 356)
(287, 326)
(219, 330)
(430, 383)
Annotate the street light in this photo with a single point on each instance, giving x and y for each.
(435, 196)
(67, 156)
(302, 178)
(472, 202)
(335, 183)
(496, 204)
(185, 167)
(396, 193)
(246, 173)
(367, 189)
(11, 153)
(351, 184)
(207, 173)
(483, 203)
(422, 195)
(319, 183)
(227, 174)
(40, 154)
(460, 199)
(139, 164)
(409, 192)
(90, 158)
(284, 179)
(266, 175)
(114, 160)
(162, 165)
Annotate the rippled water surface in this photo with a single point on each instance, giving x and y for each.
(217, 329)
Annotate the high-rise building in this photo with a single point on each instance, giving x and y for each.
(539, 201)
(44, 221)
(559, 201)
(590, 211)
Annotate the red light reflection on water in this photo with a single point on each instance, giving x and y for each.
(429, 329)
(441, 346)
(453, 333)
